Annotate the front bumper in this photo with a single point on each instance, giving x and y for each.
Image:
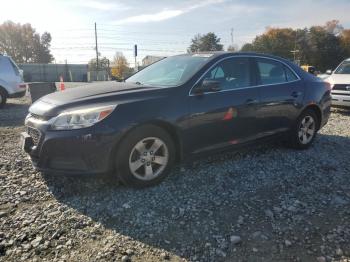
(341, 98)
(85, 151)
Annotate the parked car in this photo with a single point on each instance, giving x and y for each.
(173, 110)
(11, 80)
(309, 69)
(340, 83)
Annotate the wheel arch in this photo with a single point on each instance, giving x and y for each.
(5, 91)
(174, 134)
(317, 110)
(166, 126)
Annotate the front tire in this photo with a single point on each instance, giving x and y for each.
(304, 130)
(145, 156)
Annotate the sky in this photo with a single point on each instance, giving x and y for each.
(161, 27)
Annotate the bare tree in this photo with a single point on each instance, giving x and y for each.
(23, 44)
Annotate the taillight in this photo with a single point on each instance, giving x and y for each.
(22, 86)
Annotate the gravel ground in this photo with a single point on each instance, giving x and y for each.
(266, 203)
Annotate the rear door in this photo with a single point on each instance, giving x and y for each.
(226, 117)
(281, 93)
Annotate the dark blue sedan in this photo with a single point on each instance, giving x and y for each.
(172, 110)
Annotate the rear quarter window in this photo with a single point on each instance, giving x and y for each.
(1, 64)
(7, 66)
(14, 67)
(290, 75)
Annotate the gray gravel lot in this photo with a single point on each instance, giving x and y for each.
(265, 203)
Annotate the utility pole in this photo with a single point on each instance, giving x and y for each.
(109, 69)
(65, 70)
(135, 55)
(232, 36)
(96, 48)
(295, 51)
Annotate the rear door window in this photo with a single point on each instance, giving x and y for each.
(273, 72)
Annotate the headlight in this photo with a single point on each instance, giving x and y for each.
(81, 118)
(331, 85)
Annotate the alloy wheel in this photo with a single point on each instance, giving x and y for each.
(307, 130)
(148, 158)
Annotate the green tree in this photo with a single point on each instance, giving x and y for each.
(232, 48)
(247, 47)
(333, 27)
(277, 41)
(103, 63)
(203, 43)
(345, 42)
(42, 49)
(325, 49)
(321, 46)
(23, 44)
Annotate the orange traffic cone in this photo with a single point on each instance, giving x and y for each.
(62, 84)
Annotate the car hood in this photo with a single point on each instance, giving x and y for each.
(97, 93)
(339, 79)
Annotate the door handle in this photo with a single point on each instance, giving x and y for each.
(296, 94)
(251, 101)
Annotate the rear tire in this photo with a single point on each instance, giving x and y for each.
(145, 156)
(304, 131)
(3, 97)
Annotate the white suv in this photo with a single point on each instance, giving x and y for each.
(340, 82)
(11, 80)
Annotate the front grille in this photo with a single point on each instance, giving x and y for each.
(342, 87)
(35, 135)
(340, 94)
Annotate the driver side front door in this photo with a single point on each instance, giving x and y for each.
(227, 116)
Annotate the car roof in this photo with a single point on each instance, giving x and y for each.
(216, 54)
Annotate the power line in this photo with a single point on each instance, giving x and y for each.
(116, 48)
(89, 44)
(82, 42)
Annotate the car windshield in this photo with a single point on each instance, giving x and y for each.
(344, 68)
(171, 71)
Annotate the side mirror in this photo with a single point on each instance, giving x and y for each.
(208, 86)
(329, 72)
